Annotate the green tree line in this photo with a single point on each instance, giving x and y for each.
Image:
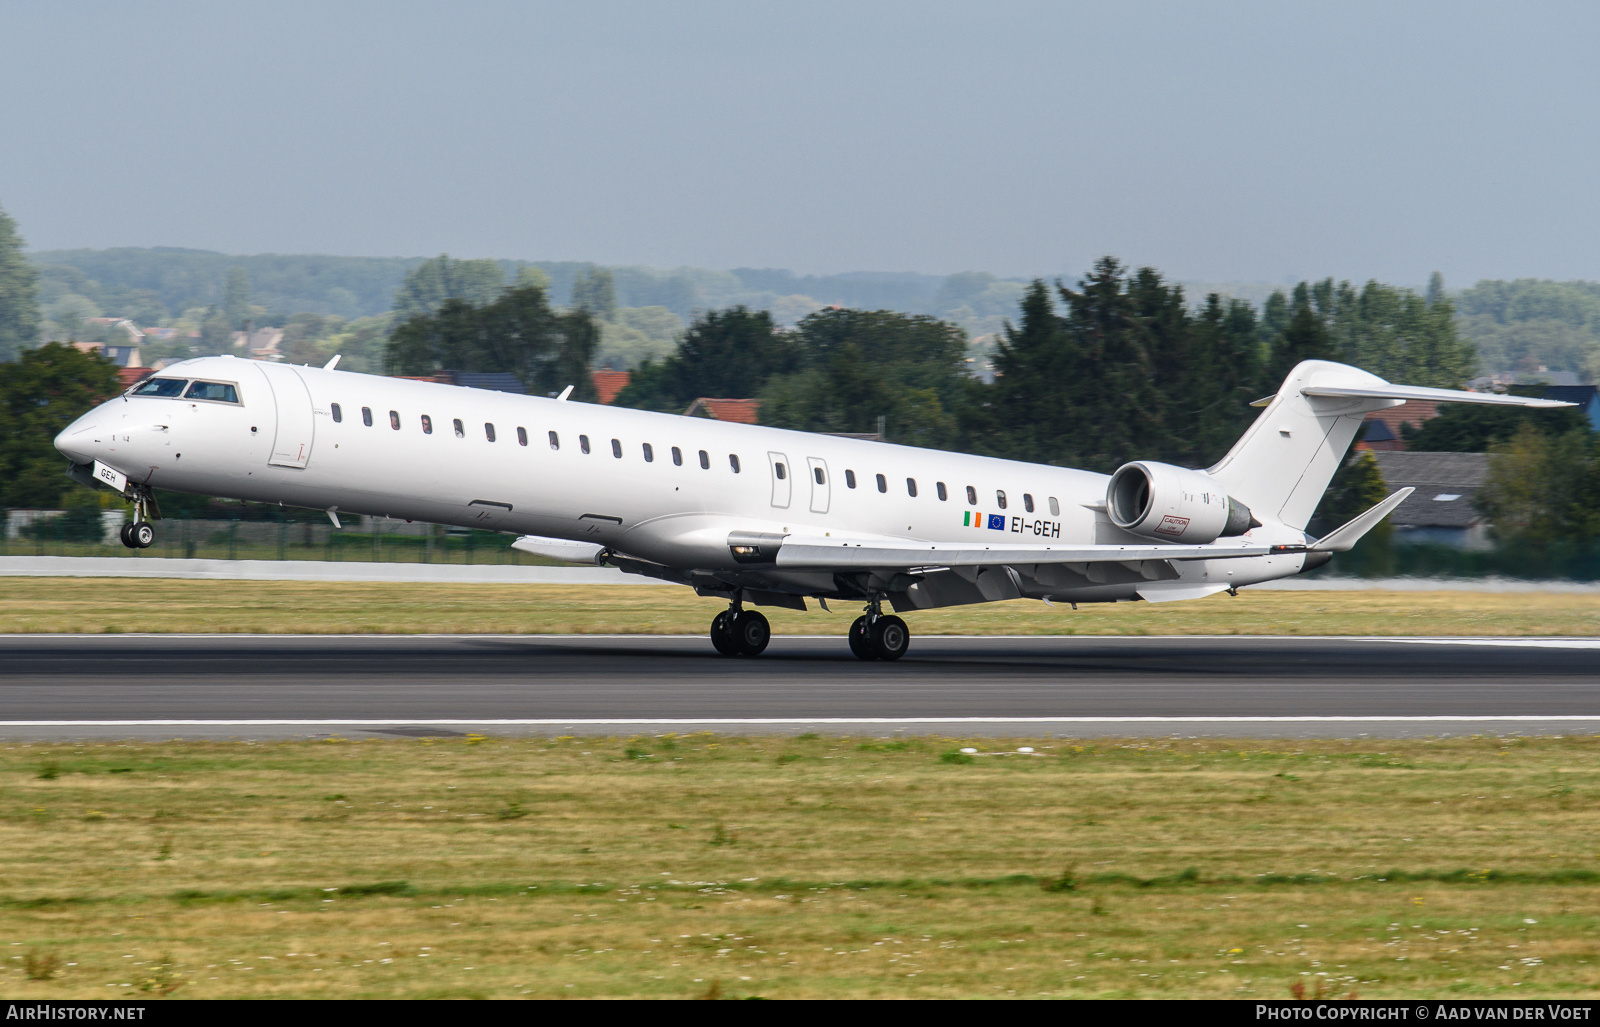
(1118, 366)
(516, 331)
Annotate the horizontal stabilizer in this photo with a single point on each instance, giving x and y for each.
(558, 549)
(1386, 391)
(1344, 537)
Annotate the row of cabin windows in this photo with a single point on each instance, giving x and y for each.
(705, 459)
(522, 438)
(943, 492)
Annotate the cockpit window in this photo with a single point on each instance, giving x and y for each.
(217, 392)
(168, 388)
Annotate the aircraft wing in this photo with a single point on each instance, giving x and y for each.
(810, 553)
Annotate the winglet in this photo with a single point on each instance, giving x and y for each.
(1344, 537)
(564, 394)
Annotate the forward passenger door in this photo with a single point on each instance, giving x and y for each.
(291, 444)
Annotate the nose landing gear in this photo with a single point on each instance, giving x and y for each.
(740, 632)
(876, 637)
(140, 534)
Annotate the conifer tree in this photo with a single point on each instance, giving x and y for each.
(19, 289)
(236, 299)
(1038, 375)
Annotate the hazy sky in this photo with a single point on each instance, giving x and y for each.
(1215, 141)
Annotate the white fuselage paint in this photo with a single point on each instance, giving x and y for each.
(275, 447)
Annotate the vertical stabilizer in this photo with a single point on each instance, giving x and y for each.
(1281, 467)
(1283, 463)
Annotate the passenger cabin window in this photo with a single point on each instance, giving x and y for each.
(394, 419)
(705, 461)
(1055, 507)
(214, 392)
(778, 469)
(164, 388)
(338, 415)
(733, 462)
(427, 425)
(816, 472)
(461, 432)
(555, 441)
(583, 443)
(488, 431)
(522, 436)
(677, 456)
(883, 484)
(1000, 498)
(972, 496)
(616, 448)
(1027, 502)
(944, 493)
(649, 453)
(911, 487)
(366, 416)
(849, 478)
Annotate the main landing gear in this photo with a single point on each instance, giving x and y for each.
(740, 632)
(140, 534)
(876, 637)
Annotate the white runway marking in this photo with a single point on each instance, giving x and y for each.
(776, 721)
(1531, 643)
(1514, 643)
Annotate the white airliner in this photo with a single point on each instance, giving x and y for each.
(753, 515)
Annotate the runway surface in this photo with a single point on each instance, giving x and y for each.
(266, 686)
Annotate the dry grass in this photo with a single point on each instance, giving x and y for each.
(164, 605)
(790, 867)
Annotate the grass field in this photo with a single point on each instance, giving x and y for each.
(164, 605)
(790, 867)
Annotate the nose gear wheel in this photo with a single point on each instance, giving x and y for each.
(140, 534)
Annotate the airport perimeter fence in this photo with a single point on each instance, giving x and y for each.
(1380, 558)
(362, 539)
(295, 536)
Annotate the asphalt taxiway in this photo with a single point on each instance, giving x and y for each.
(277, 686)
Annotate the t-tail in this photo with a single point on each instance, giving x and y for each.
(1281, 466)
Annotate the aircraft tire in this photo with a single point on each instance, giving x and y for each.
(861, 640)
(750, 633)
(721, 637)
(126, 534)
(143, 535)
(890, 637)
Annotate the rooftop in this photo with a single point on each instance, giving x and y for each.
(1446, 484)
(740, 411)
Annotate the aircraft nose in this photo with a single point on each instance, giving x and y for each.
(78, 441)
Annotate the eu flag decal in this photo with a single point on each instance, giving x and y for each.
(997, 522)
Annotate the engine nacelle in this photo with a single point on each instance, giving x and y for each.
(1173, 504)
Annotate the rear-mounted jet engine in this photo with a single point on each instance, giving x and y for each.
(1173, 504)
